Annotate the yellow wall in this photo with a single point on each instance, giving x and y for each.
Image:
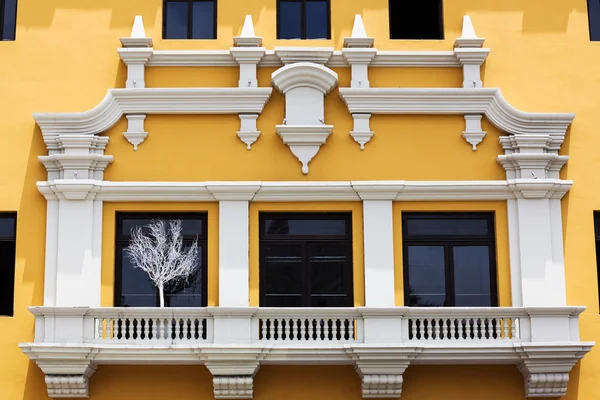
(64, 59)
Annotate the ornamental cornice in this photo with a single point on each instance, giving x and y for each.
(443, 101)
(118, 102)
(82, 189)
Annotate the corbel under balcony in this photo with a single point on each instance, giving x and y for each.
(542, 342)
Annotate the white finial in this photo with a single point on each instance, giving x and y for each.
(248, 38)
(359, 36)
(248, 29)
(138, 28)
(138, 35)
(358, 30)
(468, 37)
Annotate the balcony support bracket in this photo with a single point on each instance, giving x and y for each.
(234, 379)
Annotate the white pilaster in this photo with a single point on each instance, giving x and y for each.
(136, 54)
(50, 269)
(378, 253)
(234, 268)
(468, 49)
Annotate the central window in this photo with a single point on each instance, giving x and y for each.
(133, 287)
(449, 260)
(306, 260)
(8, 19)
(190, 19)
(303, 19)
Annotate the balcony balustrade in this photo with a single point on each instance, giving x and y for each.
(233, 342)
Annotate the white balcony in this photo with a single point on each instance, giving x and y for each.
(233, 342)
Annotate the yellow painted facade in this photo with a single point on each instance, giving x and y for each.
(64, 59)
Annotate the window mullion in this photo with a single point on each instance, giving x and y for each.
(306, 267)
(190, 20)
(449, 269)
(303, 20)
(2, 12)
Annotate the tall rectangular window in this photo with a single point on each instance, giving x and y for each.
(306, 260)
(190, 19)
(8, 19)
(449, 260)
(416, 19)
(303, 19)
(594, 19)
(133, 287)
(8, 231)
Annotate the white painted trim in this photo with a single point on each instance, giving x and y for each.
(118, 102)
(79, 189)
(50, 269)
(449, 101)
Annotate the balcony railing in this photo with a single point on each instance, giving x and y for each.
(235, 341)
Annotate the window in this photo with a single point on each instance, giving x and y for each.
(594, 19)
(449, 259)
(190, 19)
(303, 19)
(306, 260)
(133, 288)
(597, 234)
(8, 19)
(8, 229)
(416, 19)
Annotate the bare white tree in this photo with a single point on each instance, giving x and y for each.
(161, 254)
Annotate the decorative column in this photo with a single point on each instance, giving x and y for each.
(248, 54)
(532, 166)
(359, 53)
(136, 53)
(468, 49)
(75, 165)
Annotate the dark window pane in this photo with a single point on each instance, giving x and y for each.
(328, 265)
(136, 286)
(190, 227)
(447, 227)
(416, 19)
(7, 277)
(304, 227)
(284, 270)
(177, 20)
(427, 279)
(317, 20)
(10, 19)
(330, 301)
(472, 276)
(203, 14)
(7, 227)
(290, 20)
(282, 300)
(594, 19)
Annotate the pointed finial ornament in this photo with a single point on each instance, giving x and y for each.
(248, 38)
(469, 37)
(138, 35)
(359, 36)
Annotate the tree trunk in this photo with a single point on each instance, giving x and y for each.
(161, 292)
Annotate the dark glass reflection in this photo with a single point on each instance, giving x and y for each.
(177, 20)
(427, 279)
(447, 227)
(284, 270)
(7, 276)
(472, 276)
(7, 227)
(290, 20)
(317, 20)
(304, 227)
(416, 19)
(10, 20)
(203, 20)
(189, 227)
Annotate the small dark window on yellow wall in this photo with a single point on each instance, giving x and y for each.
(306, 260)
(133, 287)
(416, 19)
(303, 19)
(190, 19)
(594, 19)
(597, 235)
(8, 19)
(8, 229)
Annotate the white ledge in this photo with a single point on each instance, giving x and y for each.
(81, 189)
(118, 102)
(456, 101)
(223, 58)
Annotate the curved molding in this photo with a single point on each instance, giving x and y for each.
(488, 101)
(304, 74)
(118, 102)
(82, 189)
